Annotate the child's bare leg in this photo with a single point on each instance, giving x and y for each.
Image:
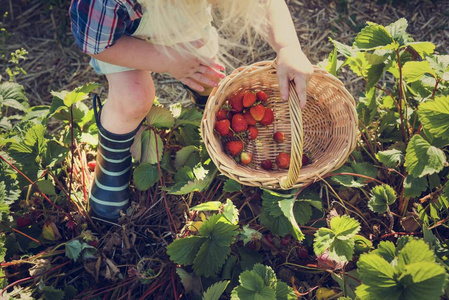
(131, 95)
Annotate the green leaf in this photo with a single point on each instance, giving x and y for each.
(287, 209)
(302, 212)
(413, 187)
(191, 282)
(344, 227)
(47, 187)
(248, 234)
(414, 70)
(378, 277)
(145, 176)
(423, 281)
(413, 252)
(73, 249)
(283, 291)
(341, 250)
(373, 36)
(231, 186)
(13, 95)
(160, 117)
(363, 168)
(230, 212)
(423, 48)
(434, 116)
(270, 201)
(154, 150)
(184, 155)
(440, 63)
(398, 29)
(219, 229)
(207, 206)
(78, 94)
(266, 273)
(277, 225)
(251, 281)
(381, 197)
(50, 293)
(215, 291)
(423, 159)
(324, 237)
(387, 250)
(392, 158)
(183, 251)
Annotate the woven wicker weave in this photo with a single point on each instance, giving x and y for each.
(326, 128)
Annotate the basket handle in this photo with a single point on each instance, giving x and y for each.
(297, 141)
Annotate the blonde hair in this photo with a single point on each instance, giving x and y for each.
(177, 23)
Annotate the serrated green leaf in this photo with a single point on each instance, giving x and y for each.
(422, 48)
(284, 292)
(423, 281)
(219, 229)
(324, 237)
(270, 201)
(414, 70)
(266, 273)
(185, 154)
(200, 172)
(341, 250)
(277, 225)
(423, 159)
(413, 187)
(398, 29)
(251, 281)
(387, 250)
(364, 168)
(73, 249)
(378, 276)
(145, 176)
(160, 117)
(210, 258)
(373, 36)
(50, 293)
(13, 95)
(153, 151)
(183, 251)
(78, 94)
(381, 197)
(373, 74)
(47, 187)
(215, 291)
(391, 158)
(344, 227)
(286, 206)
(434, 116)
(191, 282)
(302, 212)
(248, 234)
(231, 186)
(415, 251)
(440, 63)
(230, 212)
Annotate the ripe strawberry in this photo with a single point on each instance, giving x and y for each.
(238, 123)
(305, 159)
(283, 160)
(248, 99)
(221, 114)
(252, 132)
(236, 102)
(234, 147)
(249, 119)
(261, 96)
(91, 165)
(268, 118)
(285, 240)
(302, 252)
(266, 164)
(23, 221)
(222, 127)
(246, 158)
(278, 136)
(257, 112)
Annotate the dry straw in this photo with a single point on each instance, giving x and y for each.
(326, 128)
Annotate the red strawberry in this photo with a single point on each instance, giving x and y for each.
(283, 160)
(248, 99)
(252, 132)
(222, 127)
(236, 102)
(278, 136)
(238, 123)
(91, 165)
(261, 96)
(23, 221)
(234, 147)
(246, 158)
(268, 118)
(266, 164)
(249, 119)
(257, 112)
(305, 159)
(221, 114)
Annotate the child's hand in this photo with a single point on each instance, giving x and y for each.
(293, 65)
(193, 71)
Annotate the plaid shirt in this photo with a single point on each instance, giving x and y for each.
(98, 24)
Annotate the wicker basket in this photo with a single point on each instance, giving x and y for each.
(326, 128)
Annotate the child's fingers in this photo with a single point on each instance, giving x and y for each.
(283, 87)
(203, 79)
(192, 84)
(301, 91)
(211, 72)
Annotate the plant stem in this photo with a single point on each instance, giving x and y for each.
(72, 154)
(435, 88)
(400, 96)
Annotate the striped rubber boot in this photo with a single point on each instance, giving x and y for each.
(109, 192)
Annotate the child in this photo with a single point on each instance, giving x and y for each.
(129, 39)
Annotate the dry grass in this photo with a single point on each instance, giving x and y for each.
(55, 63)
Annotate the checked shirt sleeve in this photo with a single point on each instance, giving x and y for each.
(98, 24)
